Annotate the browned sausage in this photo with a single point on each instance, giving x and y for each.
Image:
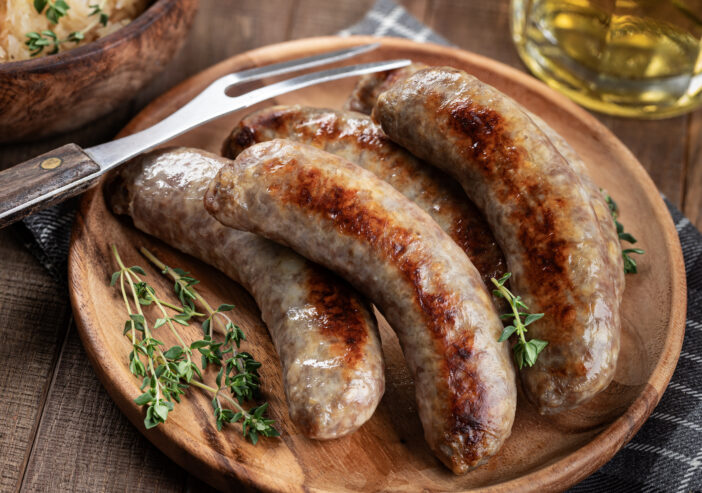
(370, 86)
(324, 332)
(349, 220)
(540, 212)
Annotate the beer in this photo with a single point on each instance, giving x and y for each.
(639, 58)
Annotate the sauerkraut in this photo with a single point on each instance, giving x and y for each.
(19, 17)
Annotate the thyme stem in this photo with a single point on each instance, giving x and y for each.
(525, 352)
(179, 279)
(168, 374)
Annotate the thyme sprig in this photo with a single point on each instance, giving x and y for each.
(97, 10)
(37, 41)
(525, 352)
(629, 263)
(56, 10)
(167, 374)
(164, 373)
(238, 369)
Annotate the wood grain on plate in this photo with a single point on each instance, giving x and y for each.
(389, 451)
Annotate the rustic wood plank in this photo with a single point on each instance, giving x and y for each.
(314, 18)
(100, 131)
(692, 199)
(418, 8)
(34, 315)
(481, 27)
(84, 443)
(221, 30)
(195, 485)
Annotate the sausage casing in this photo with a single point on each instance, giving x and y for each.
(324, 332)
(356, 138)
(366, 91)
(540, 213)
(347, 219)
(597, 199)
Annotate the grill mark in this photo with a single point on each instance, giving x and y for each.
(272, 119)
(470, 234)
(371, 86)
(482, 139)
(366, 91)
(330, 128)
(467, 409)
(344, 315)
(307, 189)
(245, 138)
(245, 135)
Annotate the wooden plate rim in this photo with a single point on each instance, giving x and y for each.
(562, 473)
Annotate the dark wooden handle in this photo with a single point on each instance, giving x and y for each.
(43, 174)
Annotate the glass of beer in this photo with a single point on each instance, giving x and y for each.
(638, 58)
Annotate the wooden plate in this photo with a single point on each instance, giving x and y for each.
(388, 452)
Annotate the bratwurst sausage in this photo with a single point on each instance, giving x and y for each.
(540, 213)
(356, 138)
(362, 99)
(347, 219)
(369, 86)
(324, 332)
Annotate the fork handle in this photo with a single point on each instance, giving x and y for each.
(40, 176)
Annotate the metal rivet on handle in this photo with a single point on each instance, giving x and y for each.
(51, 163)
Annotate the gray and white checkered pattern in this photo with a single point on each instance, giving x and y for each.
(666, 454)
(386, 18)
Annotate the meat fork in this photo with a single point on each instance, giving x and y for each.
(69, 170)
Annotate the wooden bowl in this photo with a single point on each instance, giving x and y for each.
(57, 93)
(389, 452)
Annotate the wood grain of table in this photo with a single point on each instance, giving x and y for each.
(59, 430)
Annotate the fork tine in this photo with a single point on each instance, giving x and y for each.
(297, 64)
(212, 103)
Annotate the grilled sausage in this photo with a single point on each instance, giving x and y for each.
(347, 219)
(540, 213)
(324, 332)
(356, 138)
(370, 86)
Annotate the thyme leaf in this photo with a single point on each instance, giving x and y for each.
(525, 352)
(37, 41)
(167, 373)
(629, 263)
(97, 10)
(237, 380)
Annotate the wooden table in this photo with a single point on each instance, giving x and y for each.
(59, 430)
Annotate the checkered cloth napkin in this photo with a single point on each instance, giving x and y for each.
(665, 455)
